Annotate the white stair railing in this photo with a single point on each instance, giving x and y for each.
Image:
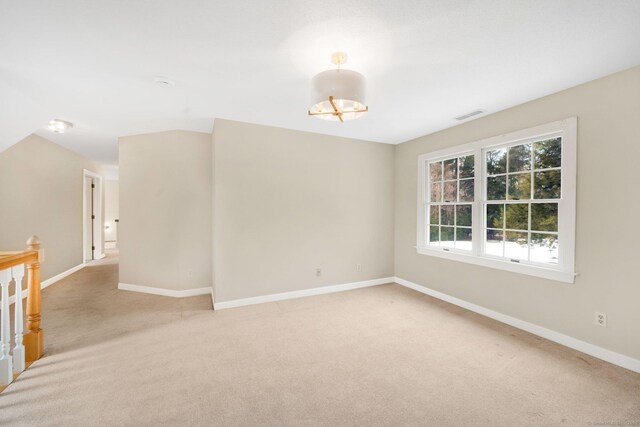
(14, 267)
(6, 365)
(11, 362)
(18, 350)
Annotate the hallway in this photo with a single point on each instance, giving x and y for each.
(384, 355)
(86, 309)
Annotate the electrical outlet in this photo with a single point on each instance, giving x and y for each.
(318, 272)
(601, 319)
(358, 267)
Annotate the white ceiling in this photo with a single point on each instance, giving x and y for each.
(93, 62)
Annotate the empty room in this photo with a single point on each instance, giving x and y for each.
(295, 213)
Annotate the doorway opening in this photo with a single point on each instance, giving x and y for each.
(92, 244)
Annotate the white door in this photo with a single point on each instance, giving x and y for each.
(89, 219)
(111, 214)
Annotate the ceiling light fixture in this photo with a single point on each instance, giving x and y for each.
(338, 94)
(59, 126)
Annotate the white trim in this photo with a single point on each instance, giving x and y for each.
(165, 292)
(50, 281)
(563, 272)
(58, 277)
(501, 264)
(301, 293)
(574, 343)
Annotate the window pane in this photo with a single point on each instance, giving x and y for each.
(546, 185)
(463, 238)
(466, 166)
(435, 171)
(547, 154)
(436, 192)
(515, 246)
(544, 248)
(495, 216)
(517, 216)
(434, 235)
(466, 190)
(544, 216)
(451, 169)
(451, 191)
(447, 236)
(463, 215)
(494, 244)
(520, 186)
(496, 187)
(520, 158)
(497, 161)
(446, 215)
(434, 214)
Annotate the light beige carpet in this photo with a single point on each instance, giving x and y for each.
(378, 356)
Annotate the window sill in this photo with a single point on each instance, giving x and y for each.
(530, 270)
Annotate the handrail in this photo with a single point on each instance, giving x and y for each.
(11, 259)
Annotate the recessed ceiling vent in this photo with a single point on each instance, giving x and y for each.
(466, 116)
(164, 81)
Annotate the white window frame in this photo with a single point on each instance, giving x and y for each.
(565, 269)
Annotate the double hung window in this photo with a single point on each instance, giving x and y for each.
(506, 202)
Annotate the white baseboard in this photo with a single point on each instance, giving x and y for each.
(60, 276)
(49, 282)
(574, 343)
(301, 293)
(165, 292)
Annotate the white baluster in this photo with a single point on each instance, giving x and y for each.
(18, 351)
(6, 368)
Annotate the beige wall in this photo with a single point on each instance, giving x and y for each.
(288, 202)
(607, 211)
(41, 193)
(165, 210)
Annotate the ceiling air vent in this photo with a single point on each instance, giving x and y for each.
(466, 116)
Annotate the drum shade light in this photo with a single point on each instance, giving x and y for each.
(338, 94)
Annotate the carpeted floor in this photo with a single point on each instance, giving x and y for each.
(377, 356)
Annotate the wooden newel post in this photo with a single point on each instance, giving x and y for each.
(34, 336)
